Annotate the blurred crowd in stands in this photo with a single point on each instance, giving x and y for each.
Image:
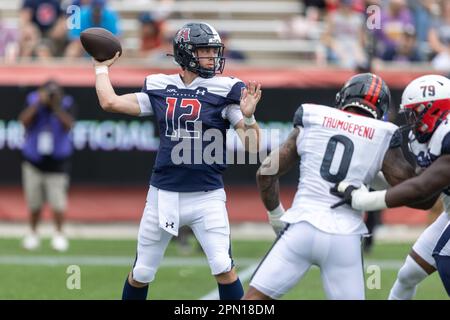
(356, 33)
(344, 32)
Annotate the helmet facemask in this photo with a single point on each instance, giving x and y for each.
(219, 62)
(424, 117)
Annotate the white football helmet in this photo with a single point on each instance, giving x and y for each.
(426, 101)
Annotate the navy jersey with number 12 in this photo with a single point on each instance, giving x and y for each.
(187, 112)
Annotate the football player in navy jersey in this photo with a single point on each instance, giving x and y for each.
(426, 101)
(193, 110)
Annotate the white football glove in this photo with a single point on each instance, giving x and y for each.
(362, 199)
(274, 219)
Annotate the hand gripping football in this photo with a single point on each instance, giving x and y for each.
(100, 43)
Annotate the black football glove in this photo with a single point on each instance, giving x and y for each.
(346, 195)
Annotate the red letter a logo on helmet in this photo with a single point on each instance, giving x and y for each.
(183, 34)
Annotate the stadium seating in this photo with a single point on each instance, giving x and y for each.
(254, 27)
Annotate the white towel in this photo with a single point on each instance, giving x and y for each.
(168, 211)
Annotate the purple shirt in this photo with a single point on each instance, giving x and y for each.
(392, 28)
(48, 124)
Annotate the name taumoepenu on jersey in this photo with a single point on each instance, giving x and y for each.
(179, 110)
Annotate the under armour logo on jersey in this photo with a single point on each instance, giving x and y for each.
(202, 92)
(170, 224)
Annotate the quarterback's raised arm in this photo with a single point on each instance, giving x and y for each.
(247, 128)
(109, 100)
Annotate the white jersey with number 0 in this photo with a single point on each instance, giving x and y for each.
(333, 146)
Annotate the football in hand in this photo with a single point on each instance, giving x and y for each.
(100, 43)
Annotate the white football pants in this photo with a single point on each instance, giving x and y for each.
(204, 212)
(301, 246)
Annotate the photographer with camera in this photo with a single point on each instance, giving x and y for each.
(48, 119)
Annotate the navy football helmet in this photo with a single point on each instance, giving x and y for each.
(366, 91)
(191, 37)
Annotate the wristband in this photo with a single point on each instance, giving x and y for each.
(101, 69)
(370, 201)
(249, 121)
(277, 212)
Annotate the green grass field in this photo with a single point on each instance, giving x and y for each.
(104, 265)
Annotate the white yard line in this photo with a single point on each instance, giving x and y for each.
(41, 260)
(105, 261)
(242, 231)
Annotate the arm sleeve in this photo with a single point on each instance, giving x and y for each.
(144, 104)
(233, 113)
(144, 101)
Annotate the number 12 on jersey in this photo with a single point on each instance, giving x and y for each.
(188, 111)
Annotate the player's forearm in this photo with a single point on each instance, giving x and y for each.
(253, 132)
(269, 190)
(427, 204)
(105, 92)
(407, 193)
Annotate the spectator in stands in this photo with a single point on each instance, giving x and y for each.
(343, 35)
(96, 14)
(394, 19)
(81, 3)
(48, 119)
(439, 39)
(406, 50)
(319, 4)
(303, 26)
(161, 55)
(9, 48)
(231, 55)
(425, 11)
(151, 34)
(42, 19)
(43, 51)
